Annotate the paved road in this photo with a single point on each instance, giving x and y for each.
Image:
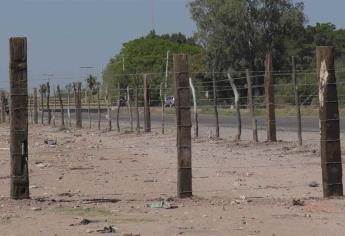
(283, 123)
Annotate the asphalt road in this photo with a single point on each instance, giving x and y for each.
(283, 123)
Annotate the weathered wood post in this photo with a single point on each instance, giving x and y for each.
(48, 104)
(77, 96)
(42, 105)
(19, 119)
(61, 106)
(118, 107)
(269, 96)
(215, 102)
(35, 107)
(3, 106)
(69, 105)
(99, 107)
(161, 95)
(329, 123)
(54, 107)
(184, 126)
(237, 106)
(137, 110)
(297, 103)
(30, 105)
(129, 105)
(251, 107)
(196, 119)
(147, 113)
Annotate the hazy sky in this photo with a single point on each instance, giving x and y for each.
(64, 35)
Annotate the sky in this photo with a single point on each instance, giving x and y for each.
(65, 35)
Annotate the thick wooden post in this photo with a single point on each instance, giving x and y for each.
(298, 108)
(99, 107)
(147, 113)
(215, 102)
(30, 105)
(19, 119)
(54, 107)
(251, 107)
(269, 95)
(118, 107)
(184, 126)
(137, 110)
(42, 106)
(3, 106)
(196, 118)
(77, 96)
(129, 105)
(35, 107)
(161, 95)
(109, 124)
(329, 123)
(61, 107)
(48, 104)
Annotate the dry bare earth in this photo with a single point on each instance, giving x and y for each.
(239, 188)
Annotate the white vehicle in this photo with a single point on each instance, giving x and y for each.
(169, 101)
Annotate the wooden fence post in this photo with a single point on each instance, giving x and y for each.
(35, 107)
(77, 95)
(99, 107)
(184, 125)
(48, 104)
(215, 102)
(137, 110)
(251, 107)
(61, 107)
(89, 106)
(118, 107)
(42, 106)
(30, 105)
(129, 104)
(329, 121)
(196, 119)
(19, 119)
(269, 95)
(54, 107)
(108, 102)
(147, 113)
(298, 108)
(237, 106)
(161, 95)
(3, 106)
(69, 105)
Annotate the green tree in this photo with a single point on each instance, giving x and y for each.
(148, 55)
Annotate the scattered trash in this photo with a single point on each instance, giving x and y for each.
(85, 222)
(107, 230)
(150, 180)
(297, 202)
(160, 204)
(50, 142)
(36, 209)
(314, 184)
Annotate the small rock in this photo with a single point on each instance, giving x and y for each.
(297, 202)
(314, 184)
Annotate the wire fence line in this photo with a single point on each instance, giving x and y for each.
(223, 95)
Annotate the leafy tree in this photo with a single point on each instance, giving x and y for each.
(148, 55)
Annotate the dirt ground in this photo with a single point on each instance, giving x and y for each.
(109, 178)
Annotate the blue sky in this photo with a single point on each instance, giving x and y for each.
(64, 35)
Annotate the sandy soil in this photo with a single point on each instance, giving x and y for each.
(108, 178)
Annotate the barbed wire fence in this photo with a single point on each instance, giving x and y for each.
(293, 91)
